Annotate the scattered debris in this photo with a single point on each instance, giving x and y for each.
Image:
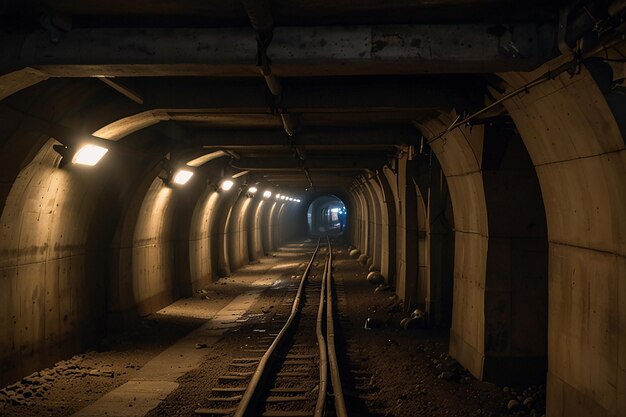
(529, 400)
(382, 287)
(37, 384)
(395, 306)
(447, 375)
(201, 345)
(513, 405)
(375, 278)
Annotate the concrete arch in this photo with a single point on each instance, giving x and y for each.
(375, 222)
(268, 226)
(490, 178)
(276, 230)
(51, 266)
(236, 234)
(223, 219)
(438, 244)
(459, 153)
(423, 251)
(362, 220)
(202, 239)
(255, 229)
(572, 132)
(152, 255)
(353, 216)
(63, 108)
(388, 250)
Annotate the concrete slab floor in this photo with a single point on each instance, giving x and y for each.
(158, 377)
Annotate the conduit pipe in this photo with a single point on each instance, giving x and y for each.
(571, 66)
(261, 20)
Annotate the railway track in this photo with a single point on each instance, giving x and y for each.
(291, 369)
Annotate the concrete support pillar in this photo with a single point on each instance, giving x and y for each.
(255, 233)
(202, 249)
(222, 228)
(237, 234)
(268, 215)
(277, 225)
(440, 245)
(407, 233)
(422, 251)
(388, 209)
(363, 213)
(375, 222)
(497, 227)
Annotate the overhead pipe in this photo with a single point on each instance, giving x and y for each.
(262, 22)
(617, 30)
(260, 14)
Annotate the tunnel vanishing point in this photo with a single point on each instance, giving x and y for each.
(150, 148)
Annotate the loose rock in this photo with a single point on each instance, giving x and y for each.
(513, 405)
(375, 278)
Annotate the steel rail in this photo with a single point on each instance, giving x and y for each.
(321, 341)
(252, 390)
(340, 403)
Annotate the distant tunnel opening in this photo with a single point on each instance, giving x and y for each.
(327, 215)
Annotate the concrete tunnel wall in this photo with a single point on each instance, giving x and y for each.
(60, 253)
(83, 249)
(51, 279)
(151, 252)
(574, 132)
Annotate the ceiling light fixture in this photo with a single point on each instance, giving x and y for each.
(182, 176)
(89, 155)
(227, 185)
(267, 194)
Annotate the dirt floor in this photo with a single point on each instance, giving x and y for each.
(410, 369)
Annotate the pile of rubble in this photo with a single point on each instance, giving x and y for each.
(526, 400)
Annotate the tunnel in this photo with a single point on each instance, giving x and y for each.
(326, 215)
(178, 180)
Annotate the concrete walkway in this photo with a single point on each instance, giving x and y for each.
(158, 377)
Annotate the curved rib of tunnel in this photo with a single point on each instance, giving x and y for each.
(506, 231)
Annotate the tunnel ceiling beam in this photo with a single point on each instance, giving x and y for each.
(325, 94)
(295, 51)
(312, 138)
